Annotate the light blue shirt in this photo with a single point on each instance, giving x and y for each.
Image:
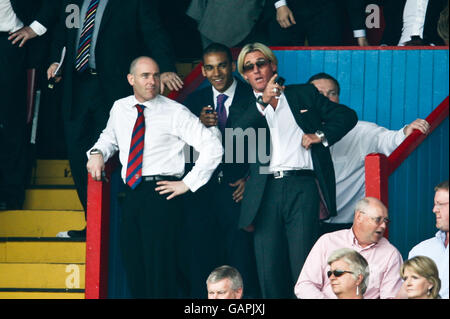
(435, 249)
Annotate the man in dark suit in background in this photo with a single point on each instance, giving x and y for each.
(15, 17)
(110, 35)
(291, 189)
(320, 22)
(212, 212)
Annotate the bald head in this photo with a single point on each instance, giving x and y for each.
(370, 221)
(144, 77)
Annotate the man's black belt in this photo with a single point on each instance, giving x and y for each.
(157, 178)
(300, 172)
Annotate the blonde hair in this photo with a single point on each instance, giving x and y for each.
(357, 263)
(426, 268)
(252, 47)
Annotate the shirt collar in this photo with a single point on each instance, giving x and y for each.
(229, 92)
(147, 104)
(440, 235)
(355, 242)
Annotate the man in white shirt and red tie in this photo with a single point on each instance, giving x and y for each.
(150, 132)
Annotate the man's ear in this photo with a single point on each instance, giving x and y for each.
(130, 78)
(203, 71)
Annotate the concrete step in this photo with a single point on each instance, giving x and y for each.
(52, 199)
(42, 276)
(37, 223)
(34, 250)
(31, 294)
(52, 172)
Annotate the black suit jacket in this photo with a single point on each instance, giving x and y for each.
(43, 11)
(204, 97)
(128, 29)
(312, 112)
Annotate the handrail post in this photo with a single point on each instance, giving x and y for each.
(97, 239)
(377, 171)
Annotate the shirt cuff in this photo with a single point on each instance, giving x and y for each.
(359, 33)
(280, 3)
(38, 28)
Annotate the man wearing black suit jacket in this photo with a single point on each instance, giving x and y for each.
(287, 193)
(15, 58)
(122, 31)
(213, 211)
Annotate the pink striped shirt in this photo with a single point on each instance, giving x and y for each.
(384, 265)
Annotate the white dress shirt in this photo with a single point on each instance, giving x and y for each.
(229, 92)
(435, 249)
(286, 137)
(413, 19)
(168, 127)
(9, 22)
(348, 156)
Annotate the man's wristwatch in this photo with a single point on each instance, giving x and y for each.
(320, 135)
(95, 151)
(259, 100)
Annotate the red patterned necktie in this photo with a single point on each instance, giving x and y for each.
(134, 167)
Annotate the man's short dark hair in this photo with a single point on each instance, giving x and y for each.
(443, 185)
(217, 48)
(325, 76)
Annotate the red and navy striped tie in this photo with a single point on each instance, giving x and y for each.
(134, 167)
(81, 62)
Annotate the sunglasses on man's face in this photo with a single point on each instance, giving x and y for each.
(337, 273)
(259, 64)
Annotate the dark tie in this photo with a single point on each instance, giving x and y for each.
(221, 111)
(81, 62)
(134, 167)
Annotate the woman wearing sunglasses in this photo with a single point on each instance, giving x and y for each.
(348, 274)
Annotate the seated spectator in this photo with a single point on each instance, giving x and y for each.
(349, 154)
(349, 273)
(421, 278)
(436, 248)
(366, 237)
(420, 19)
(225, 282)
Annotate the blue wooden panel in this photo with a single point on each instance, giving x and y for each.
(384, 88)
(370, 86)
(398, 91)
(411, 86)
(344, 75)
(304, 61)
(425, 89)
(357, 83)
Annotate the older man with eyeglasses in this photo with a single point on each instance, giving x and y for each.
(365, 237)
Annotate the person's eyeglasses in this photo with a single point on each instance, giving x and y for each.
(251, 66)
(337, 273)
(439, 205)
(378, 220)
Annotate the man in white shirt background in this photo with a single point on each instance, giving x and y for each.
(349, 154)
(150, 221)
(436, 248)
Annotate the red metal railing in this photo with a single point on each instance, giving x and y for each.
(379, 167)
